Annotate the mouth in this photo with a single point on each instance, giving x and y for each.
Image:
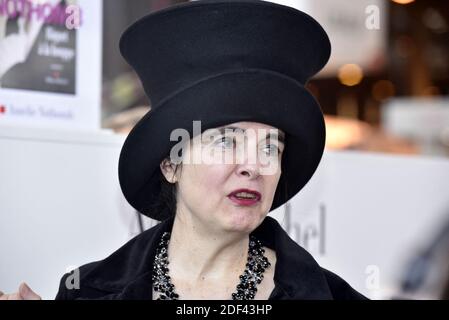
(245, 197)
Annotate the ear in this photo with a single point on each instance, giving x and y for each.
(168, 170)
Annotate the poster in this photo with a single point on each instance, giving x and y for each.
(50, 63)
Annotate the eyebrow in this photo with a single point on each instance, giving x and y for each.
(280, 136)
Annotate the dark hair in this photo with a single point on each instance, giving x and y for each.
(165, 204)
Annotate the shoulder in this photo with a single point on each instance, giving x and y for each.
(298, 275)
(73, 287)
(340, 289)
(109, 278)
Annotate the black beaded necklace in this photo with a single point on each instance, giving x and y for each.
(246, 289)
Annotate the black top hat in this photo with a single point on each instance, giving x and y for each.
(224, 61)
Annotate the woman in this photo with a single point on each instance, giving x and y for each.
(237, 69)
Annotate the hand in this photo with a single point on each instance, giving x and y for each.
(24, 293)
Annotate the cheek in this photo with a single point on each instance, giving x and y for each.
(211, 177)
(205, 182)
(271, 185)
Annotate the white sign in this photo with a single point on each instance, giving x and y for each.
(50, 63)
(423, 120)
(362, 215)
(367, 214)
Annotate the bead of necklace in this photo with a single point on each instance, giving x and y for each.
(245, 290)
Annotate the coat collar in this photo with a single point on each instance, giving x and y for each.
(126, 274)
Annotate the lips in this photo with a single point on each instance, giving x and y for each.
(245, 197)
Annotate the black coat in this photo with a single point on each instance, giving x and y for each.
(126, 273)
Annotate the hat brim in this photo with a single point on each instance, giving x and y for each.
(241, 95)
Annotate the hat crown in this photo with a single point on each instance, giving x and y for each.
(175, 48)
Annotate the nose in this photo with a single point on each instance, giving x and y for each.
(247, 160)
(248, 170)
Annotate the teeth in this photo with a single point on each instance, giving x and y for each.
(245, 195)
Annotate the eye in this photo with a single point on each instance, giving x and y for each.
(226, 142)
(273, 149)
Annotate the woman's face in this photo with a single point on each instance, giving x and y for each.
(239, 156)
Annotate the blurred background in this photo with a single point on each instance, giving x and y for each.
(384, 90)
(384, 93)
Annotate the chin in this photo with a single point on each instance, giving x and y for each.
(244, 222)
